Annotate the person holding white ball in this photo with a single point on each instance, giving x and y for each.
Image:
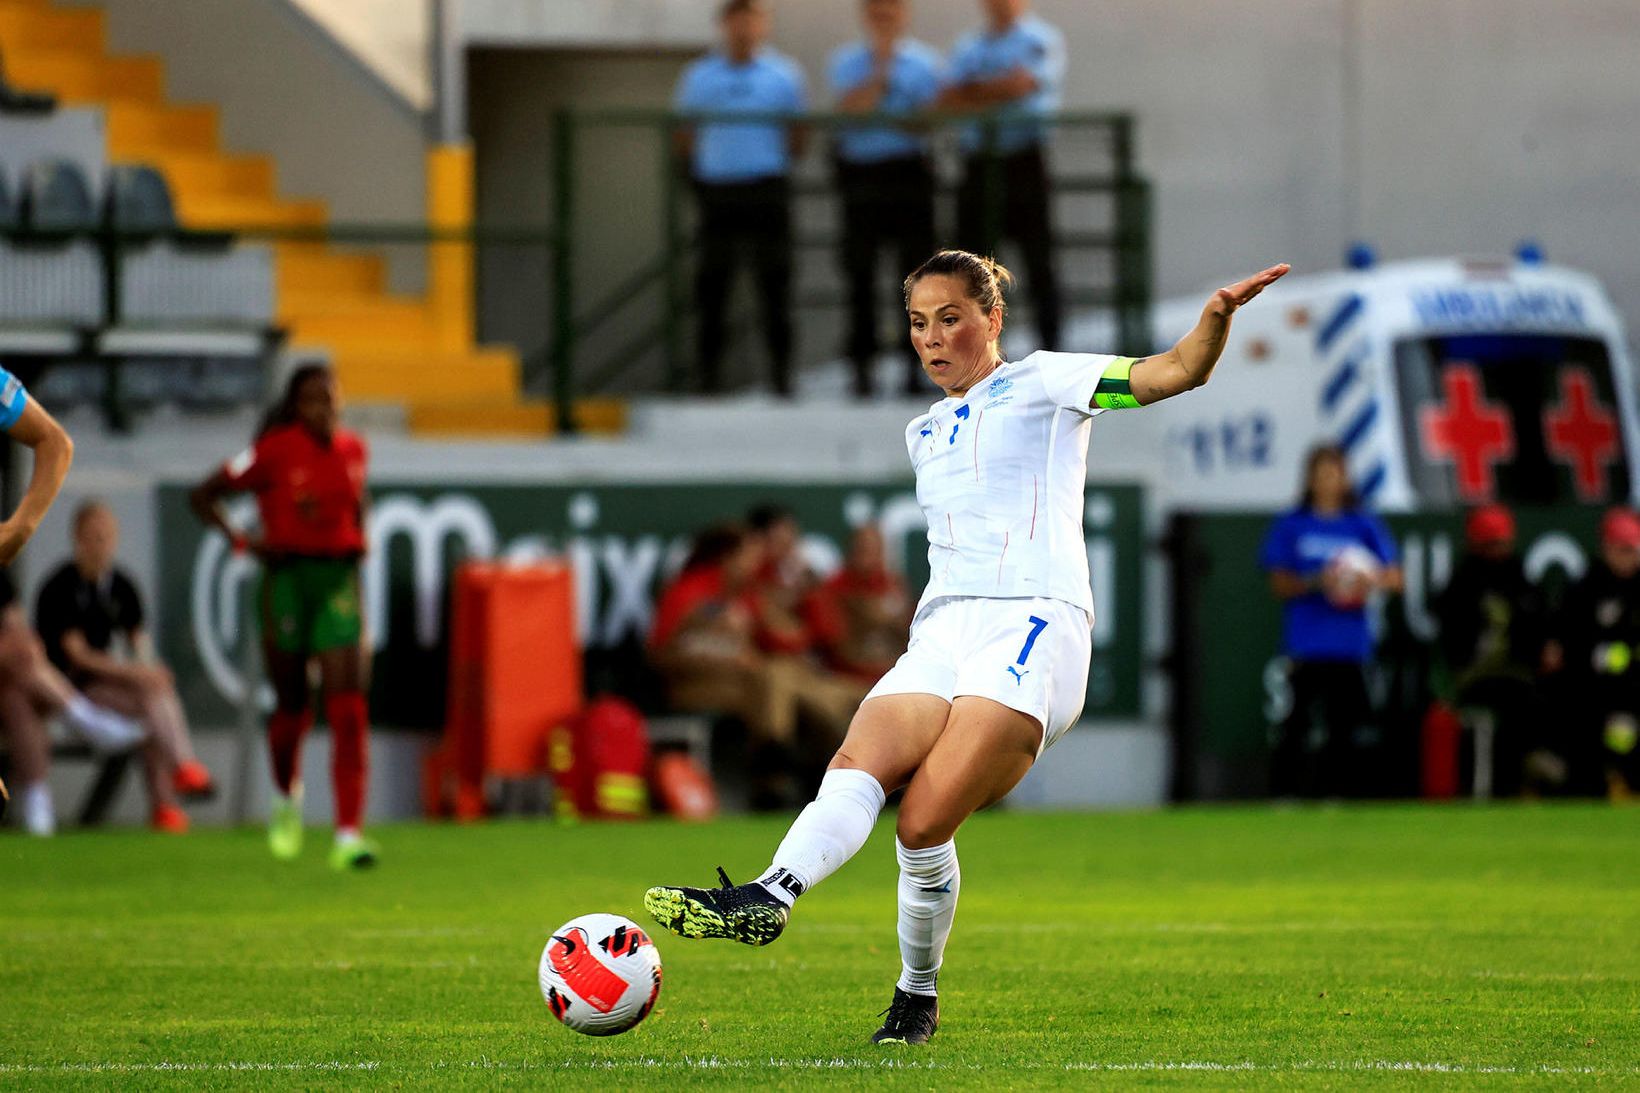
(1326, 558)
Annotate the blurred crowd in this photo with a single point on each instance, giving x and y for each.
(748, 631)
(1531, 687)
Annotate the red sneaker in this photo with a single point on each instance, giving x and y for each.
(192, 780)
(169, 819)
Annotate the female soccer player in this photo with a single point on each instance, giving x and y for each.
(997, 666)
(26, 422)
(308, 477)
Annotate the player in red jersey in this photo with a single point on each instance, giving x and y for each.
(308, 476)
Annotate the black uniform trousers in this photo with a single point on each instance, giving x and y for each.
(885, 205)
(1022, 212)
(1315, 753)
(741, 221)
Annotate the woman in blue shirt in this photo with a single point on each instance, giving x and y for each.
(1325, 559)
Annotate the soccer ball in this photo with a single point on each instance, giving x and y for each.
(1350, 577)
(600, 974)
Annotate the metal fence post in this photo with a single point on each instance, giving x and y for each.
(563, 270)
(672, 255)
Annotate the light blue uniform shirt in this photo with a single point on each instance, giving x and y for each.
(1030, 44)
(13, 400)
(769, 82)
(915, 78)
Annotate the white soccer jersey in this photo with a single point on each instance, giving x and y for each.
(1000, 477)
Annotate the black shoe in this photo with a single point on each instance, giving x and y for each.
(912, 1019)
(744, 912)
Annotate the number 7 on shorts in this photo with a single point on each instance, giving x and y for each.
(1037, 626)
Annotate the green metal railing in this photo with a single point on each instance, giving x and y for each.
(582, 360)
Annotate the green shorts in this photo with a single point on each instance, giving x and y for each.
(310, 605)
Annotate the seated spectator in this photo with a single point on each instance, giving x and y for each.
(1491, 637)
(31, 690)
(782, 580)
(85, 608)
(861, 617)
(1595, 637)
(704, 643)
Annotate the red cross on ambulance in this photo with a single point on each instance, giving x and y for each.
(1581, 432)
(1465, 429)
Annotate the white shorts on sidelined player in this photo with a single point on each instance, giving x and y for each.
(1031, 655)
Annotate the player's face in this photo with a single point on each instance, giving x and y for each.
(95, 541)
(318, 403)
(886, 18)
(955, 338)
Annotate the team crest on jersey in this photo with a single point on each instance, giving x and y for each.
(998, 392)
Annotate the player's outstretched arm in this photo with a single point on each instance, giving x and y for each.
(53, 452)
(1189, 364)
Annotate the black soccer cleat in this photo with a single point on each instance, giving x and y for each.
(744, 912)
(911, 1019)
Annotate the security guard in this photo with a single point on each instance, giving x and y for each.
(741, 176)
(1016, 64)
(883, 172)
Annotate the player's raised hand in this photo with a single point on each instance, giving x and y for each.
(1227, 299)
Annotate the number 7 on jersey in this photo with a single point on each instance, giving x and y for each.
(1037, 626)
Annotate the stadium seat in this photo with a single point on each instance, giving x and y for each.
(51, 288)
(139, 201)
(56, 199)
(182, 292)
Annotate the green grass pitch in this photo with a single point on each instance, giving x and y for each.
(1248, 947)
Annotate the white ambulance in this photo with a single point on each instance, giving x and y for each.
(1447, 382)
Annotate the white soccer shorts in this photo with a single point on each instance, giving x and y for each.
(1030, 655)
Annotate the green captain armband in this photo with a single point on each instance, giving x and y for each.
(1114, 391)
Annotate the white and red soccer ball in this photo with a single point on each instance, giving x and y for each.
(600, 974)
(1350, 577)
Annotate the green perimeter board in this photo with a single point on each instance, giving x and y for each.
(1237, 621)
(629, 535)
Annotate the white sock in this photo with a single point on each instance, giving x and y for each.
(34, 804)
(347, 836)
(103, 729)
(929, 882)
(825, 834)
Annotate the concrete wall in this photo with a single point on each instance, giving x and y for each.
(287, 89)
(511, 96)
(1280, 129)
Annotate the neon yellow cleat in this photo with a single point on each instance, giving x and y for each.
(357, 852)
(285, 826)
